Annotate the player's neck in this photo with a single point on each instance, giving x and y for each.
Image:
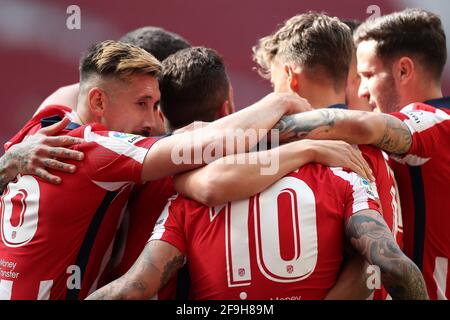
(84, 115)
(323, 96)
(422, 93)
(434, 92)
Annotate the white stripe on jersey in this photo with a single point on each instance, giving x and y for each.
(214, 211)
(159, 229)
(363, 190)
(111, 186)
(421, 120)
(117, 145)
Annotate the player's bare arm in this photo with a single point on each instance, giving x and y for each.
(370, 236)
(38, 153)
(263, 114)
(221, 180)
(158, 262)
(356, 127)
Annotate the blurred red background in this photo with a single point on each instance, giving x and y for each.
(38, 54)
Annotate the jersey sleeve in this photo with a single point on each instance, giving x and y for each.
(114, 157)
(360, 194)
(430, 130)
(170, 225)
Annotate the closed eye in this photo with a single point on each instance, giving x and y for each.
(365, 75)
(142, 104)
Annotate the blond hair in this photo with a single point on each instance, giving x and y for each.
(309, 40)
(117, 59)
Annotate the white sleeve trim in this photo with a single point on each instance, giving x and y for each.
(117, 145)
(363, 190)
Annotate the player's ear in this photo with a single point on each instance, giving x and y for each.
(225, 109)
(404, 69)
(96, 101)
(292, 78)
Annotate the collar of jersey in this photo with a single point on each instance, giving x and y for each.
(45, 122)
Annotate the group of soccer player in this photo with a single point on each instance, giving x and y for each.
(94, 205)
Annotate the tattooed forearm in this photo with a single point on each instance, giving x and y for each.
(299, 126)
(370, 236)
(120, 289)
(170, 268)
(356, 127)
(396, 136)
(151, 271)
(8, 170)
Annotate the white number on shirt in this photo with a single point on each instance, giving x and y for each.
(271, 264)
(20, 205)
(440, 275)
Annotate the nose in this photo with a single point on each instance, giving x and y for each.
(153, 124)
(363, 91)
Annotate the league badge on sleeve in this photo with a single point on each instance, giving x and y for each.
(130, 138)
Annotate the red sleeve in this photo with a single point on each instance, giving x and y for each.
(34, 124)
(430, 129)
(114, 157)
(170, 225)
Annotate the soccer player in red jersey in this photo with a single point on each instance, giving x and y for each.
(259, 228)
(157, 41)
(400, 59)
(319, 75)
(284, 243)
(318, 72)
(41, 152)
(195, 87)
(67, 229)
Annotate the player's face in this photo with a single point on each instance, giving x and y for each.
(352, 99)
(133, 107)
(377, 82)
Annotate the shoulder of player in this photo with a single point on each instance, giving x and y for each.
(318, 176)
(96, 132)
(51, 110)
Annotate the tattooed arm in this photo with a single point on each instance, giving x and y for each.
(370, 236)
(355, 127)
(39, 152)
(221, 180)
(152, 270)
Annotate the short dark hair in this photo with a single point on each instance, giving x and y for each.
(194, 85)
(117, 59)
(353, 24)
(310, 40)
(158, 41)
(414, 32)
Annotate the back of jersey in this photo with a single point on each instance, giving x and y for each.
(284, 243)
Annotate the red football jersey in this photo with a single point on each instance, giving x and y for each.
(423, 176)
(56, 238)
(284, 243)
(145, 205)
(389, 198)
